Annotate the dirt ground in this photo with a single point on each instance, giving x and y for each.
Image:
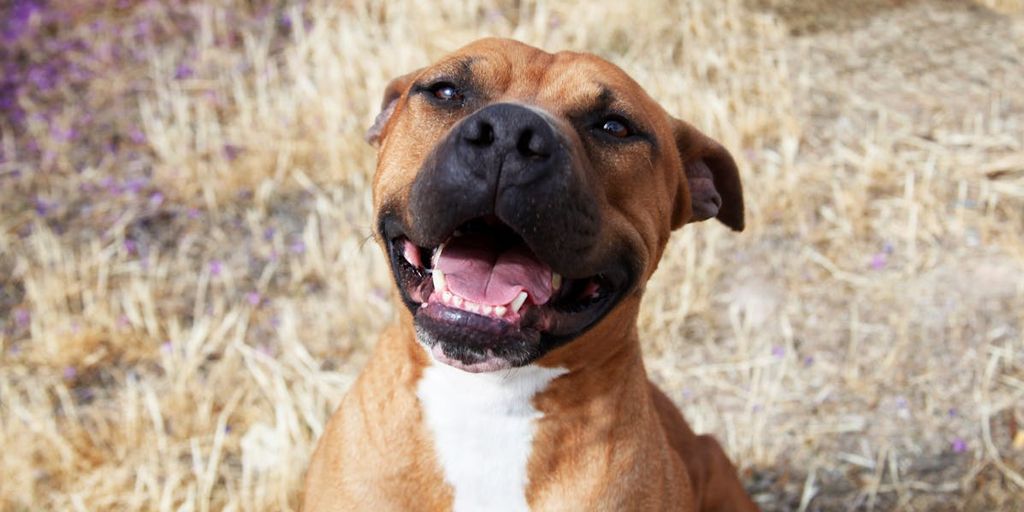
(188, 279)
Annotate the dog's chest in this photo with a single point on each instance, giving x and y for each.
(483, 427)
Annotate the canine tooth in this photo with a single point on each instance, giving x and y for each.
(436, 256)
(518, 302)
(440, 284)
(556, 281)
(500, 310)
(486, 310)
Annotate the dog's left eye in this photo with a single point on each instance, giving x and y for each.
(445, 91)
(616, 127)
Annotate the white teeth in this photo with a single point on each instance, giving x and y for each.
(440, 284)
(446, 296)
(436, 256)
(500, 310)
(518, 302)
(457, 301)
(556, 282)
(486, 310)
(472, 307)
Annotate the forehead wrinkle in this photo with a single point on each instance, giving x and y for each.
(496, 72)
(572, 89)
(526, 72)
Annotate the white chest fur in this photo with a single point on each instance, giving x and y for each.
(483, 426)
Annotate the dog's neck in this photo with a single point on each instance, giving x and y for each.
(483, 427)
(492, 431)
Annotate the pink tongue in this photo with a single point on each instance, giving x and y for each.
(477, 270)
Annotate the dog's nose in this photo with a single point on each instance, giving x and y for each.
(510, 161)
(519, 140)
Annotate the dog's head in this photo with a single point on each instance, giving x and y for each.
(525, 197)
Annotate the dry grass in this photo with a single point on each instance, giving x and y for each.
(187, 286)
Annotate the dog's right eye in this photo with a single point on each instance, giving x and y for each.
(446, 92)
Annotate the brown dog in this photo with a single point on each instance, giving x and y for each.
(524, 198)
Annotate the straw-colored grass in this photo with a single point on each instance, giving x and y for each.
(188, 285)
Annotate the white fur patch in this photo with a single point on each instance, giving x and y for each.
(483, 426)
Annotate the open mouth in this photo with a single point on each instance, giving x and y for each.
(483, 301)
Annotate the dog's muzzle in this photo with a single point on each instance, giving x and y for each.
(498, 252)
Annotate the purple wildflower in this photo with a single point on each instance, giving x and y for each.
(298, 247)
(254, 298)
(268, 234)
(879, 261)
(231, 152)
(143, 28)
(109, 184)
(21, 317)
(183, 71)
(43, 77)
(42, 207)
(137, 136)
(70, 372)
(778, 351)
(194, 213)
(130, 246)
(156, 199)
(135, 185)
(20, 19)
(64, 134)
(959, 445)
(216, 267)
(166, 347)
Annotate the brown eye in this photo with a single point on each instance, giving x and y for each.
(616, 128)
(445, 91)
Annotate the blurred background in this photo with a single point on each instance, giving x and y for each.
(188, 279)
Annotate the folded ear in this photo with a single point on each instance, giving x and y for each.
(392, 93)
(712, 180)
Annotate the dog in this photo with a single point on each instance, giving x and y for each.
(524, 199)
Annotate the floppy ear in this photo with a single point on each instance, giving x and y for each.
(711, 178)
(392, 93)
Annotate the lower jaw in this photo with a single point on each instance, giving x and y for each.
(474, 350)
(490, 364)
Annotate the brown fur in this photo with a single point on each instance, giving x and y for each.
(608, 439)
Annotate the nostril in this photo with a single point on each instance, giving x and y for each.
(531, 145)
(479, 133)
